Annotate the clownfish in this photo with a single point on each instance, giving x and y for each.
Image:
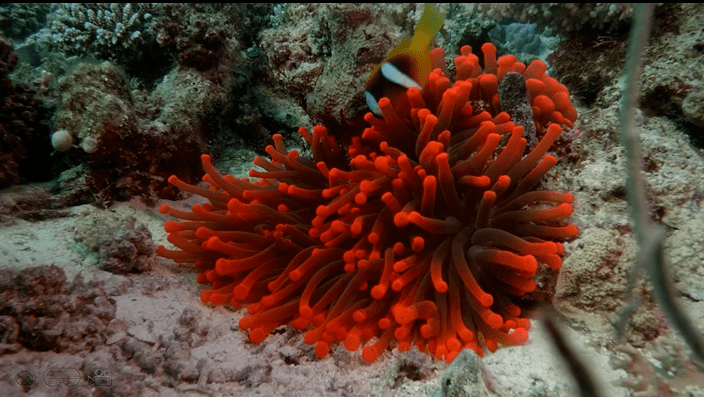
(408, 65)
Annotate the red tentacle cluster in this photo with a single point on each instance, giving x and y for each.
(425, 237)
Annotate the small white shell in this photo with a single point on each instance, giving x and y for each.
(61, 140)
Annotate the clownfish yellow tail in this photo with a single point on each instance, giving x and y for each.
(429, 25)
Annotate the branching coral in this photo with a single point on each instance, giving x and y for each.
(106, 29)
(427, 235)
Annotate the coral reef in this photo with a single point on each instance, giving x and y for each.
(107, 30)
(167, 85)
(603, 289)
(351, 251)
(587, 64)
(130, 141)
(523, 40)
(591, 65)
(464, 377)
(222, 79)
(206, 36)
(320, 60)
(19, 20)
(24, 125)
(120, 247)
(685, 247)
(40, 310)
(665, 371)
(562, 17)
(93, 97)
(673, 92)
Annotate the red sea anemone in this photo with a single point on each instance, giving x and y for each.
(427, 235)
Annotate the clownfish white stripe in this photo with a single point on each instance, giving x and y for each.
(372, 104)
(394, 75)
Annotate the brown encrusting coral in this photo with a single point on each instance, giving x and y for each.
(40, 310)
(429, 234)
